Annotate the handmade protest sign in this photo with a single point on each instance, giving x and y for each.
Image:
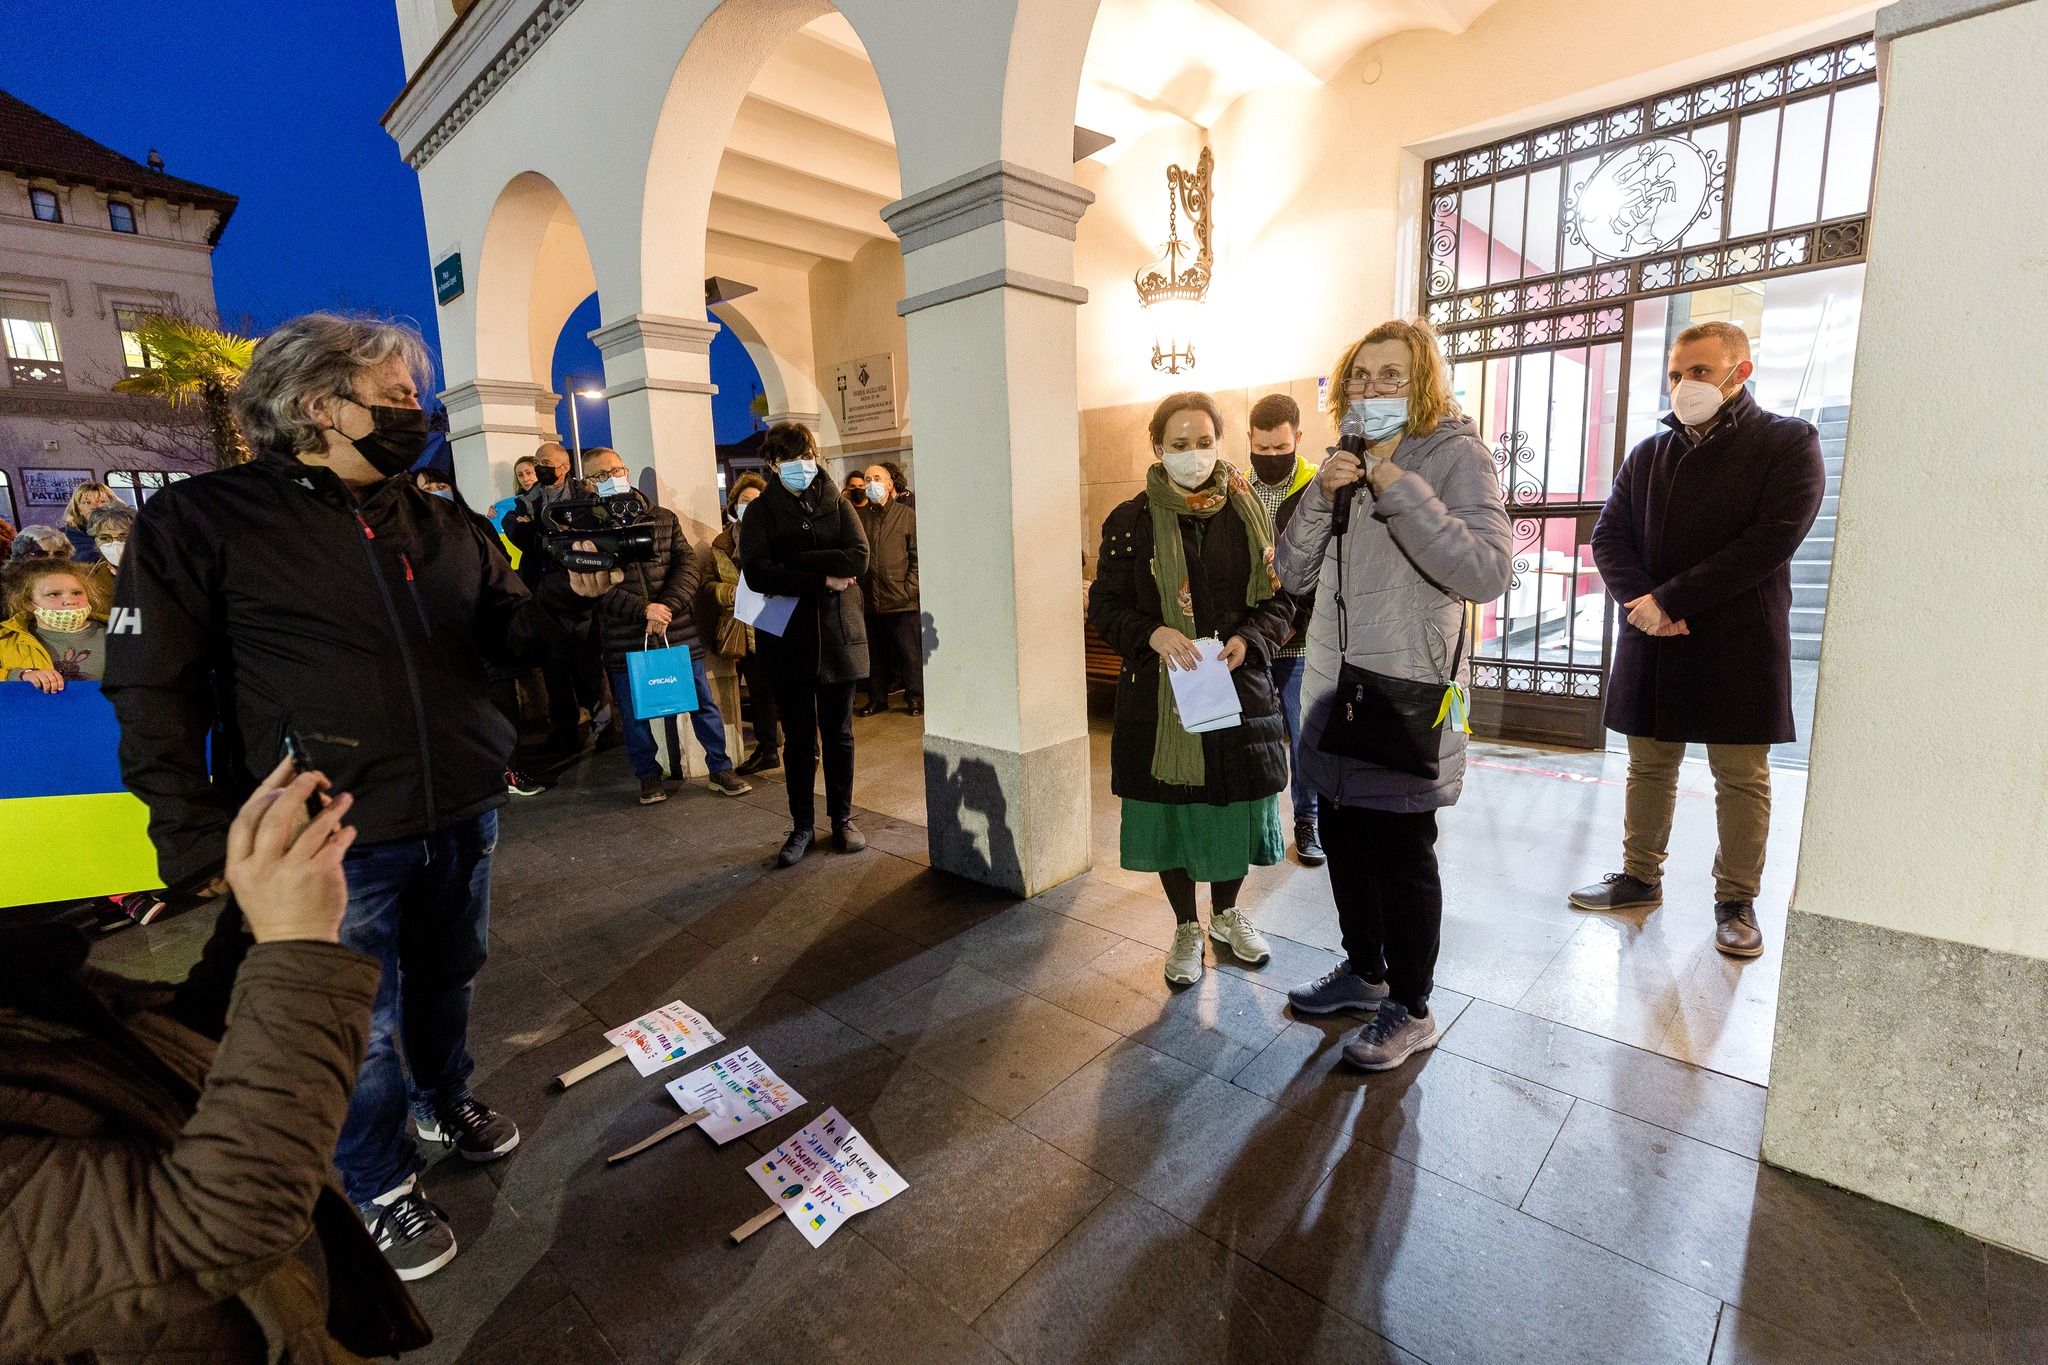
(653, 1041)
(739, 1092)
(663, 1037)
(821, 1177)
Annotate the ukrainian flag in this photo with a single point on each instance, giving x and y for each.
(68, 829)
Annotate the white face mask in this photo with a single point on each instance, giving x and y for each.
(614, 483)
(1695, 401)
(111, 552)
(1189, 468)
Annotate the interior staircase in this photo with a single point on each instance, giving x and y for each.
(1815, 557)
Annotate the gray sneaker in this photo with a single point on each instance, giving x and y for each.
(1340, 989)
(726, 782)
(1393, 1036)
(410, 1230)
(1618, 891)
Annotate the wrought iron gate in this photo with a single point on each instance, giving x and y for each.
(1550, 259)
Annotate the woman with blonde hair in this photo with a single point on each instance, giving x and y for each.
(86, 499)
(1423, 534)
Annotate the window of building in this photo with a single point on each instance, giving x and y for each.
(31, 341)
(137, 486)
(120, 216)
(7, 508)
(44, 204)
(134, 354)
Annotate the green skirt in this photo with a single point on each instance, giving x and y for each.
(1211, 843)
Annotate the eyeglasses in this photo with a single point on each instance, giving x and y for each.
(1380, 384)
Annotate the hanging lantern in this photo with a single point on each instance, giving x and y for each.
(1172, 288)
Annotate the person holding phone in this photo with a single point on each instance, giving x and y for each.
(316, 589)
(187, 1182)
(1186, 559)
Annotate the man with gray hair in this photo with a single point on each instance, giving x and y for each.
(309, 603)
(1696, 544)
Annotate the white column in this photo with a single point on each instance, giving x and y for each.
(657, 374)
(1911, 1061)
(988, 265)
(491, 423)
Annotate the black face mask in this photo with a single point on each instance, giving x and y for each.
(1274, 470)
(544, 475)
(397, 439)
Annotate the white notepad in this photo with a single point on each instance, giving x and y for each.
(1206, 697)
(760, 611)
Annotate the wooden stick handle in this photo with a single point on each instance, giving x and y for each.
(693, 1117)
(590, 1068)
(756, 1223)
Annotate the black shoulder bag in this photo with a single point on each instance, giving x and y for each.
(1392, 722)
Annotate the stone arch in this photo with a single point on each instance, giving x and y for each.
(532, 273)
(775, 385)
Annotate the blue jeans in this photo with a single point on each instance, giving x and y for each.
(422, 908)
(1287, 686)
(705, 720)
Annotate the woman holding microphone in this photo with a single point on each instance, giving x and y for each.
(1401, 530)
(1186, 559)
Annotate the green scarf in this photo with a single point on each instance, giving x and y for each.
(1176, 754)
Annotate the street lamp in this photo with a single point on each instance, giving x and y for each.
(576, 429)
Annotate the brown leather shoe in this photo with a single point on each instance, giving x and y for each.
(1735, 931)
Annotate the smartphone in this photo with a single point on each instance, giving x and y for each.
(302, 762)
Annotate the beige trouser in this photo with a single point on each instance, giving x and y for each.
(1742, 810)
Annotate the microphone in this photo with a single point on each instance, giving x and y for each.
(1350, 440)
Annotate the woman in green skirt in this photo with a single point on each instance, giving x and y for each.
(1187, 559)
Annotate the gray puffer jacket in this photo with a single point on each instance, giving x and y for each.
(1438, 537)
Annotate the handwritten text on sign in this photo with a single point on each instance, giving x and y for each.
(664, 1036)
(824, 1175)
(740, 1092)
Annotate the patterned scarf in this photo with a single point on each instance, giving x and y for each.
(1176, 754)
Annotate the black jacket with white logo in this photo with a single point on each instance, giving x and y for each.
(264, 598)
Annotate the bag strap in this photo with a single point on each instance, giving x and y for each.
(645, 636)
(1344, 620)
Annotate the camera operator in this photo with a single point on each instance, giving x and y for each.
(165, 1198)
(316, 595)
(652, 604)
(573, 673)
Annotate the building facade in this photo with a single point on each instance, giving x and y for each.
(90, 243)
(929, 183)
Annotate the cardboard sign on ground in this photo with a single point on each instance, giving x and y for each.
(662, 1037)
(825, 1175)
(738, 1094)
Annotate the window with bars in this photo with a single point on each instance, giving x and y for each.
(1558, 264)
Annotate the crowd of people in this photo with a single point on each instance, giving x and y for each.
(327, 1017)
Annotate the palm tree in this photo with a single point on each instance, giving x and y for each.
(190, 362)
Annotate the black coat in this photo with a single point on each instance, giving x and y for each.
(1242, 763)
(792, 543)
(265, 597)
(1709, 530)
(669, 578)
(891, 529)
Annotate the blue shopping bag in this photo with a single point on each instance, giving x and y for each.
(661, 681)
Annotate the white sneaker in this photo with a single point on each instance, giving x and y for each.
(1234, 930)
(1184, 958)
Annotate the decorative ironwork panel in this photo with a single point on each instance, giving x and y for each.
(42, 374)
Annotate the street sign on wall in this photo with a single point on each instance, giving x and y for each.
(448, 278)
(863, 395)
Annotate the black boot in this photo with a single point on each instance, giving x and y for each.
(760, 761)
(795, 847)
(1308, 843)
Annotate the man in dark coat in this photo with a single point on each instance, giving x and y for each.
(1696, 543)
(1279, 476)
(895, 625)
(650, 608)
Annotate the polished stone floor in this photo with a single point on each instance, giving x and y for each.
(1102, 1169)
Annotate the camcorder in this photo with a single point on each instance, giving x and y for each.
(619, 527)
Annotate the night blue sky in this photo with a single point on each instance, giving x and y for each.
(278, 104)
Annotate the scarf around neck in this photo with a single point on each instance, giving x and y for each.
(1176, 754)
